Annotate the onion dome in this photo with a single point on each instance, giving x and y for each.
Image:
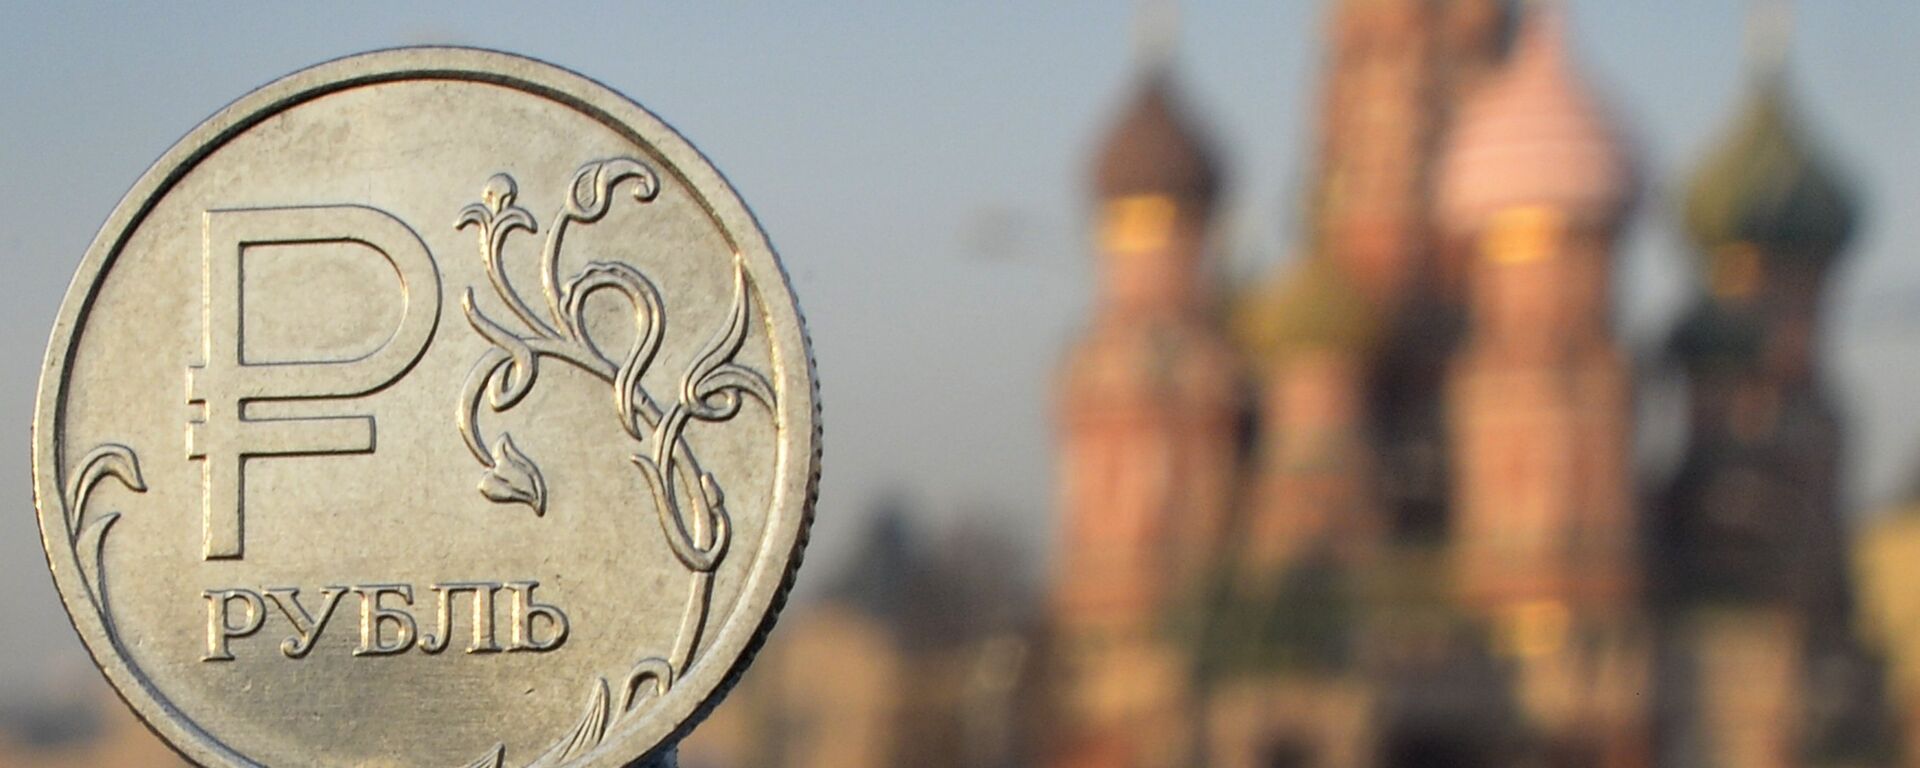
(1767, 186)
(1312, 306)
(1535, 136)
(1154, 149)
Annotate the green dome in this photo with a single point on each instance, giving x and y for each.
(1767, 185)
(1312, 305)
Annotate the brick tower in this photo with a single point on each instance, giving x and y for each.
(1751, 536)
(1544, 535)
(1396, 72)
(1309, 334)
(1276, 654)
(1396, 69)
(1147, 405)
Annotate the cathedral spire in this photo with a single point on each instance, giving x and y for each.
(1156, 33)
(1769, 36)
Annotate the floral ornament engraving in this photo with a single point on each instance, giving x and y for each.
(688, 500)
(648, 681)
(88, 536)
(514, 478)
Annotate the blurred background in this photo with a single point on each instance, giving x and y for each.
(1298, 383)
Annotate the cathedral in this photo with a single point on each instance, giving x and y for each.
(1383, 507)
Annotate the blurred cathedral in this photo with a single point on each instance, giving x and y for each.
(1383, 508)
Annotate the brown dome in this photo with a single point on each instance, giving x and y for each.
(1535, 136)
(1155, 150)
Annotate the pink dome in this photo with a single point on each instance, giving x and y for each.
(1535, 135)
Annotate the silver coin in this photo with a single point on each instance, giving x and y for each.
(429, 407)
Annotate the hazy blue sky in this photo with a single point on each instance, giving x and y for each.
(920, 166)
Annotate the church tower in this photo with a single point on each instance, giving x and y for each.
(1770, 217)
(1279, 645)
(1309, 333)
(1537, 183)
(1396, 73)
(1751, 537)
(1147, 407)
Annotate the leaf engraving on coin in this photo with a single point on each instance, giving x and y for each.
(87, 537)
(687, 499)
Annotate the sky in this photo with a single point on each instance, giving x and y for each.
(922, 168)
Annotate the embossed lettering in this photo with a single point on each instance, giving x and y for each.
(525, 611)
(220, 626)
(390, 621)
(482, 617)
(224, 437)
(307, 627)
(374, 616)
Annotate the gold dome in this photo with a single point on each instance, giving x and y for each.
(1312, 305)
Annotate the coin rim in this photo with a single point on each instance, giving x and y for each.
(797, 412)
